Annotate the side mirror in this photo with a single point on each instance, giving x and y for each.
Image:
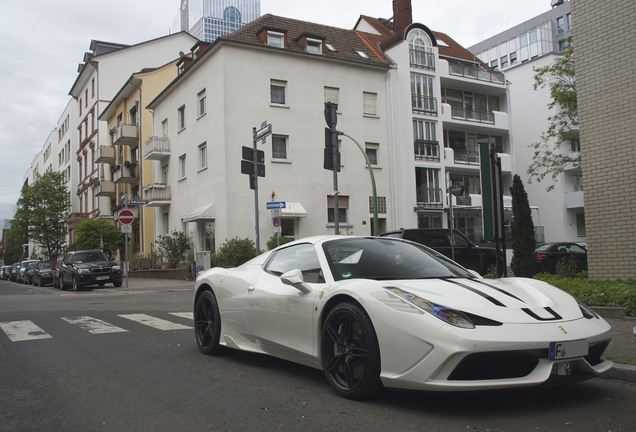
(112, 258)
(295, 279)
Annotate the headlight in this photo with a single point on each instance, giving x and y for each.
(449, 316)
(83, 271)
(586, 311)
(116, 268)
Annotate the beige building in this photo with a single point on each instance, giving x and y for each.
(605, 55)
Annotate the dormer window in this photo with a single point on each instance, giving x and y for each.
(314, 46)
(330, 47)
(275, 39)
(362, 54)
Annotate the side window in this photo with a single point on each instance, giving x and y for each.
(67, 259)
(302, 257)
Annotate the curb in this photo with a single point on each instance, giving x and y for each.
(621, 372)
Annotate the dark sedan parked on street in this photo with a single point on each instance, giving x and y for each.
(550, 254)
(43, 273)
(90, 267)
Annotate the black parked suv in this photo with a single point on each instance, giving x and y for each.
(90, 267)
(482, 259)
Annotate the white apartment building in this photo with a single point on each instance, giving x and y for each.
(281, 71)
(99, 78)
(558, 214)
(443, 103)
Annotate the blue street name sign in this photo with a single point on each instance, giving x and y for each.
(275, 204)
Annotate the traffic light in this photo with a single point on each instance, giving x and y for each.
(248, 162)
(331, 152)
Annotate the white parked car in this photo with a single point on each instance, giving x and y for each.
(374, 312)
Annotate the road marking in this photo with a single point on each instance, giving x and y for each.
(93, 325)
(186, 315)
(23, 330)
(157, 323)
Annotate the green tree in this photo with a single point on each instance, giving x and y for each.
(91, 232)
(524, 261)
(175, 248)
(18, 235)
(548, 158)
(234, 252)
(273, 243)
(43, 207)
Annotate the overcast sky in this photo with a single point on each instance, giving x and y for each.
(43, 41)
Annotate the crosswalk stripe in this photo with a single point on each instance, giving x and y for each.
(23, 330)
(93, 325)
(157, 323)
(187, 315)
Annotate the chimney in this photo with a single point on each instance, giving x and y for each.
(402, 15)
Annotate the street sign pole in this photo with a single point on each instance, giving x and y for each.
(255, 174)
(125, 198)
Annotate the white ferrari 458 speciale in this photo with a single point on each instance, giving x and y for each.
(378, 311)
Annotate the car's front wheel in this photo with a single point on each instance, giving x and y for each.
(207, 323)
(350, 352)
(76, 284)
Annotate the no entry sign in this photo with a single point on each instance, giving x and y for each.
(126, 217)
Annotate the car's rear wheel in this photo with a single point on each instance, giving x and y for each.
(207, 323)
(350, 352)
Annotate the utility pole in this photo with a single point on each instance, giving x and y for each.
(332, 155)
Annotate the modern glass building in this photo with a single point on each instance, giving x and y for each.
(208, 19)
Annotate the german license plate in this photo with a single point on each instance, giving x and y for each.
(101, 278)
(570, 349)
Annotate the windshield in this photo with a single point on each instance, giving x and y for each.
(87, 257)
(387, 259)
(46, 265)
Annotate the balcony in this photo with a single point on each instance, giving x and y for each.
(106, 188)
(105, 154)
(424, 104)
(157, 195)
(574, 200)
(427, 150)
(422, 58)
(157, 148)
(124, 173)
(466, 156)
(471, 115)
(475, 72)
(496, 121)
(126, 135)
(429, 198)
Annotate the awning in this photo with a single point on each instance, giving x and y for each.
(293, 209)
(205, 212)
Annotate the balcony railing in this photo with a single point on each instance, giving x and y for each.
(105, 154)
(429, 197)
(124, 174)
(157, 194)
(426, 150)
(157, 148)
(471, 115)
(466, 156)
(463, 200)
(424, 104)
(106, 188)
(422, 58)
(126, 134)
(475, 72)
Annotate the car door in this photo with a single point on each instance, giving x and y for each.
(280, 315)
(66, 274)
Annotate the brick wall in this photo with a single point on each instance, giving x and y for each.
(604, 35)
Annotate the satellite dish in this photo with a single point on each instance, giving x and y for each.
(556, 3)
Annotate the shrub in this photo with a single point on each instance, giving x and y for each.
(272, 244)
(234, 252)
(174, 248)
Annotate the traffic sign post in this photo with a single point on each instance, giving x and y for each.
(126, 218)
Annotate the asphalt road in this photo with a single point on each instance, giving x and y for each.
(126, 360)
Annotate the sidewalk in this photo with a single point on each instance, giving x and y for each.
(622, 349)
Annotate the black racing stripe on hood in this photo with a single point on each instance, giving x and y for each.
(498, 289)
(476, 291)
(555, 316)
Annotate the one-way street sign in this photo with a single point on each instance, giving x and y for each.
(276, 205)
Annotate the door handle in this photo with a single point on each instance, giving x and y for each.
(250, 288)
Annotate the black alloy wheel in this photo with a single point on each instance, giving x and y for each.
(207, 323)
(350, 352)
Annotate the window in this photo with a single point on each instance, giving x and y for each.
(381, 204)
(181, 117)
(563, 44)
(278, 90)
(203, 156)
(182, 166)
(201, 107)
(504, 62)
(132, 115)
(370, 103)
(93, 88)
(86, 98)
(421, 49)
(422, 94)
(164, 128)
(361, 54)
(560, 24)
(533, 36)
(523, 40)
(343, 207)
(276, 39)
(314, 46)
(568, 20)
(303, 257)
(279, 147)
(372, 152)
(494, 64)
(513, 58)
(332, 94)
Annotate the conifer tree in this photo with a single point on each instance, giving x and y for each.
(524, 261)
